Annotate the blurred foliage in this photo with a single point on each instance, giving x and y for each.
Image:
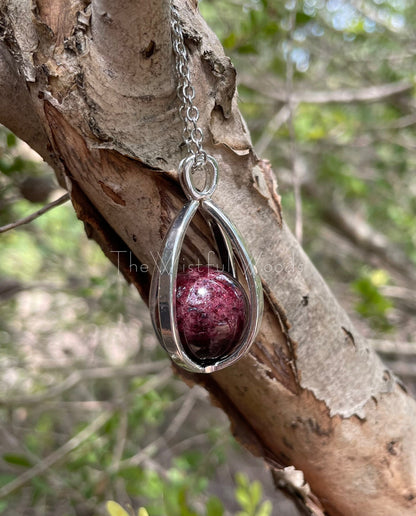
(114, 509)
(372, 303)
(64, 308)
(248, 495)
(348, 157)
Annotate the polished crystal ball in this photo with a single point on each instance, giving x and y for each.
(211, 312)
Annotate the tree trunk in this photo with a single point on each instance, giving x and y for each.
(91, 87)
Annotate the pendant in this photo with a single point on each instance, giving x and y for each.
(204, 317)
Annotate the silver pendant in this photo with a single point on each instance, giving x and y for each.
(236, 261)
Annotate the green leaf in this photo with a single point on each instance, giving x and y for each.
(241, 480)
(114, 509)
(302, 18)
(247, 48)
(249, 496)
(265, 509)
(11, 140)
(243, 498)
(230, 41)
(214, 507)
(255, 493)
(372, 303)
(17, 460)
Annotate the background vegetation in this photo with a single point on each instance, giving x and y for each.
(89, 409)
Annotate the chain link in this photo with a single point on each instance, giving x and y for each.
(189, 113)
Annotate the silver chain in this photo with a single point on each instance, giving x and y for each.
(189, 113)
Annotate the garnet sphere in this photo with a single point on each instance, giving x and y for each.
(211, 312)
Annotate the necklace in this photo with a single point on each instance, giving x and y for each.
(204, 317)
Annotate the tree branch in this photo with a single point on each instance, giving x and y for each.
(145, 46)
(311, 392)
(17, 111)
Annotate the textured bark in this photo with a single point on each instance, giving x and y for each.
(91, 86)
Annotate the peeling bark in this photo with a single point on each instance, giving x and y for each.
(97, 88)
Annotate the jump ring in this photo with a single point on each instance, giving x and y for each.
(187, 167)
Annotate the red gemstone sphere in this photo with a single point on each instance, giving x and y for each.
(211, 312)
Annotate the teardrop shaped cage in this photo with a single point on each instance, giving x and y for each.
(231, 249)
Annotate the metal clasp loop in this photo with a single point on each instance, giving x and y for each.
(187, 168)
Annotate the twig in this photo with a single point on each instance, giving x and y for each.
(121, 438)
(139, 457)
(182, 414)
(25, 220)
(402, 122)
(152, 448)
(271, 129)
(121, 392)
(155, 466)
(85, 374)
(155, 382)
(57, 455)
(387, 347)
(185, 444)
(91, 405)
(401, 368)
(274, 90)
(404, 296)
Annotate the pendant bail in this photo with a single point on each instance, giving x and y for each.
(188, 167)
